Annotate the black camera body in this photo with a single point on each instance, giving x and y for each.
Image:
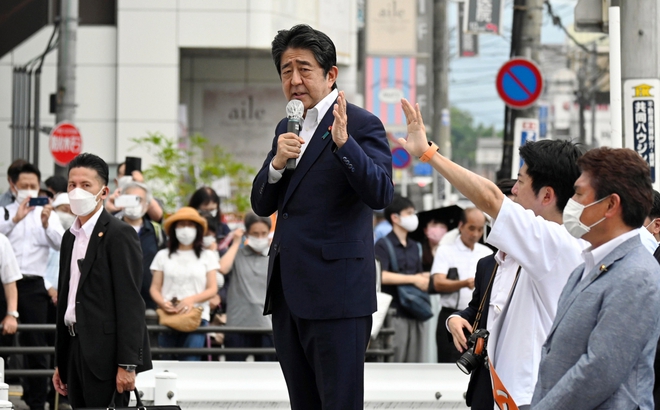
(476, 352)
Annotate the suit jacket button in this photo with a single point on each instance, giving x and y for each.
(285, 215)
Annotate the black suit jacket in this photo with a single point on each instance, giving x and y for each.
(324, 233)
(109, 309)
(479, 393)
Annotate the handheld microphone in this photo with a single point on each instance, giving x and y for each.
(294, 112)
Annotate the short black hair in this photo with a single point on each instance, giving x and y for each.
(655, 208)
(91, 161)
(553, 163)
(399, 203)
(202, 196)
(506, 185)
(304, 37)
(12, 171)
(28, 168)
(251, 218)
(57, 183)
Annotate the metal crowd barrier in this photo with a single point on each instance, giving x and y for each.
(382, 352)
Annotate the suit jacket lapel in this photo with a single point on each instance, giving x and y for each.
(65, 274)
(312, 152)
(578, 284)
(94, 242)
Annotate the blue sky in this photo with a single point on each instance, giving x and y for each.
(472, 80)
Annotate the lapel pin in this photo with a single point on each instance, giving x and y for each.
(603, 268)
(100, 234)
(327, 132)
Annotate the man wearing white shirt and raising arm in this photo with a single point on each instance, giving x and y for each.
(535, 259)
(32, 232)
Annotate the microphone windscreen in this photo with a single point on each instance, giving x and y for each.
(295, 109)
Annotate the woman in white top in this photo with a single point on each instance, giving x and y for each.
(184, 276)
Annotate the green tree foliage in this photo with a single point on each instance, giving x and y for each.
(183, 166)
(464, 135)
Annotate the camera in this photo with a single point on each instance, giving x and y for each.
(476, 352)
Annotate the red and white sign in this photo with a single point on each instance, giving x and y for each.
(65, 143)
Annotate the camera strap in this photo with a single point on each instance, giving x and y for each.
(475, 325)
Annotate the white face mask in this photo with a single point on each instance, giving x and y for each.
(186, 235)
(82, 203)
(572, 214)
(21, 194)
(214, 212)
(134, 212)
(66, 219)
(409, 222)
(208, 241)
(259, 245)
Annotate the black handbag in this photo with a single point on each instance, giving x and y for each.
(413, 301)
(138, 405)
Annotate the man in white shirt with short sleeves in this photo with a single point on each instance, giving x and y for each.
(461, 257)
(536, 256)
(32, 232)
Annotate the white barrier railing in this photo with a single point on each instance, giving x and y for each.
(259, 385)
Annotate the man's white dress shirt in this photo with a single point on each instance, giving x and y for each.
(9, 271)
(519, 325)
(82, 234)
(309, 126)
(647, 238)
(457, 255)
(30, 241)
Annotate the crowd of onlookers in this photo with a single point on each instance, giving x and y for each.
(191, 259)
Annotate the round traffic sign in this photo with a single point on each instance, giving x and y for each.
(400, 158)
(65, 143)
(519, 83)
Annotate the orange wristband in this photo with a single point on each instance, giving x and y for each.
(429, 152)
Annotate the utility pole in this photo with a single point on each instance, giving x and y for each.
(441, 121)
(640, 28)
(525, 42)
(593, 84)
(66, 67)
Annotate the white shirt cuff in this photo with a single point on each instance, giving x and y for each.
(274, 175)
(447, 321)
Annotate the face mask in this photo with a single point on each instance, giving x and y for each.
(134, 212)
(572, 214)
(208, 241)
(66, 219)
(82, 202)
(259, 245)
(186, 235)
(409, 222)
(213, 212)
(21, 194)
(435, 233)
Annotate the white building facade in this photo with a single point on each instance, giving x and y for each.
(211, 57)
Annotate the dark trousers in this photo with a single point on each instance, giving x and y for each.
(322, 360)
(33, 302)
(447, 352)
(249, 340)
(85, 389)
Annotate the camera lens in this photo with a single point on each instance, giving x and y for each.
(467, 362)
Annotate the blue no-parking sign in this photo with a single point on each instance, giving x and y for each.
(519, 83)
(400, 158)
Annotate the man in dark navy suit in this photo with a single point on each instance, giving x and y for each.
(321, 274)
